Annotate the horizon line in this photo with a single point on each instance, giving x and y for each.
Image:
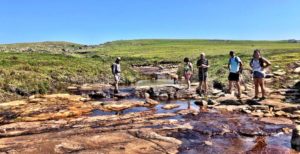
(136, 39)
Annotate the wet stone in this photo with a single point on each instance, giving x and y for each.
(170, 106)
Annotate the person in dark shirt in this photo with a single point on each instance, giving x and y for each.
(116, 71)
(203, 66)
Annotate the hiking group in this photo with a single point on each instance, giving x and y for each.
(235, 66)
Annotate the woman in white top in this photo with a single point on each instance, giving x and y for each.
(258, 65)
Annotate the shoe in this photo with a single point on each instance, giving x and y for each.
(255, 97)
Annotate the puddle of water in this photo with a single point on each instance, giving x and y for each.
(99, 112)
(184, 104)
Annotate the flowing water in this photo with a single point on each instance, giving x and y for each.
(217, 131)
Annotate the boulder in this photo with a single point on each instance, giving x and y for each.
(218, 85)
(212, 102)
(184, 94)
(163, 96)
(295, 141)
(297, 70)
(120, 105)
(201, 102)
(208, 143)
(122, 94)
(229, 99)
(151, 102)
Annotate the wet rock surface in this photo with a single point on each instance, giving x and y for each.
(151, 119)
(188, 128)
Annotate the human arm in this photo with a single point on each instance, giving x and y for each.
(267, 62)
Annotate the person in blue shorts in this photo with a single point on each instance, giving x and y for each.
(258, 65)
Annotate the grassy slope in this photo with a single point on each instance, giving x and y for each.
(44, 72)
(216, 50)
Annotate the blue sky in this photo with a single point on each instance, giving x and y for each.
(98, 21)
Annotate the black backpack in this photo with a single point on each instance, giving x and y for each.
(113, 68)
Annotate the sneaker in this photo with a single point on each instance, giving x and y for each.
(255, 97)
(263, 98)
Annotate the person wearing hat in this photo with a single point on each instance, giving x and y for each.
(116, 71)
(235, 66)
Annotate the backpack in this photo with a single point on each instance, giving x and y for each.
(113, 68)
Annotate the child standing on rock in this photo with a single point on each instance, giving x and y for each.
(188, 71)
(258, 65)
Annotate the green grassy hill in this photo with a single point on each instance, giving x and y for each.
(42, 47)
(178, 49)
(48, 67)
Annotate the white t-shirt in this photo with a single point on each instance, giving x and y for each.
(256, 65)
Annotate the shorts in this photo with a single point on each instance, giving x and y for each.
(259, 75)
(117, 77)
(234, 76)
(187, 75)
(202, 76)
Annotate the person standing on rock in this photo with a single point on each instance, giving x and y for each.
(116, 71)
(235, 66)
(203, 66)
(258, 65)
(188, 71)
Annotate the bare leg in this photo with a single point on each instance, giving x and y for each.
(262, 86)
(238, 88)
(189, 84)
(117, 86)
(205, 87)
(200, 86)
(230, 87)
(256, 86)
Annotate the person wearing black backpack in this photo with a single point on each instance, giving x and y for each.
(116, 71)
(258, 65)
(235, 66)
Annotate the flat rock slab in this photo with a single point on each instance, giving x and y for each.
(123, 94)
(277, 121)
(170, 106)
(43, 107)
